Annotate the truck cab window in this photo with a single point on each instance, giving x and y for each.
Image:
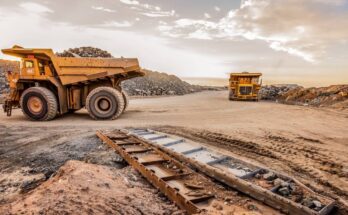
(41, 68)
(29, 64)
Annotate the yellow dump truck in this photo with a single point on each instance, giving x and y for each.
(47, 85)
(244, 86)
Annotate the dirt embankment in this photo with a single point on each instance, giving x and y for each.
(84, 188)
(38, 176)
(335, 96)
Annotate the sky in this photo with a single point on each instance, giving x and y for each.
(289, 41)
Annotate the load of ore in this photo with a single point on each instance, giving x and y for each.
(152, 84)
(85, 52)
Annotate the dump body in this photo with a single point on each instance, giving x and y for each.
(244, 86)
(70, 79)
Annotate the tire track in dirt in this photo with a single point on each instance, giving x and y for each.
(305, 161)
(317, 164)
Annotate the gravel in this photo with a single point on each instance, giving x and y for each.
(335, 96)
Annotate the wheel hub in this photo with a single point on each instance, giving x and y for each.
(103, 104)
(35, 104)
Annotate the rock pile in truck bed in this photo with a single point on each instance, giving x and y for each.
(85, 52)
(152, 84)
(5, 66)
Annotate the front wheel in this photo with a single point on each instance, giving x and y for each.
(125, 99)
(105, 103)
(39, 103)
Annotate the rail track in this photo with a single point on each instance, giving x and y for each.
(168, 162)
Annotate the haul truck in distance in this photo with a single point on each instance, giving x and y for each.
(245, 86)
(47, 85)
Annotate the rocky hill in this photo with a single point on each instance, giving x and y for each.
(335, 96)
(156, 83)
(332, 96)
(273, 92)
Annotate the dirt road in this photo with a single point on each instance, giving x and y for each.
(308, 143)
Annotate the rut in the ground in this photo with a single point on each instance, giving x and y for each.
(279, 150)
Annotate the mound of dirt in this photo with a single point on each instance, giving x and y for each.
(273, 92)
(81, 188)
(156, 84)
(333, 96)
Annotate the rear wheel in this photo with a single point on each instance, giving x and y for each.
(126, 100)
(105, 103)
(39, 103)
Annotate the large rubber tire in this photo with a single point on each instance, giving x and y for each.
(39, 103)
(105, 103)
(230, 95)
(126, 100)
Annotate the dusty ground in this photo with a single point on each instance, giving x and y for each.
(92, 189)
(308, 143)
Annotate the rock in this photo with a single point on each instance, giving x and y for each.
(284, 191)
(269, 176)
(32, 183)
(251, 207)
(308, 203)
(317, 204)
(292, 186)
(278, 182)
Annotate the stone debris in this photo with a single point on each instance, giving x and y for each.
(280, 182)
(157, 84)
(273, 92)
(332, 96)
(335, 96)
(269, 176)
(85, 52)
(312, 203)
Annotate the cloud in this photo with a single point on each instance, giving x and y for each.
(216, 8)
(123, 24)
(292, 26)
(103, 9)
(148, 10)
(207, 15)
(35, 7)
(130, 2)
